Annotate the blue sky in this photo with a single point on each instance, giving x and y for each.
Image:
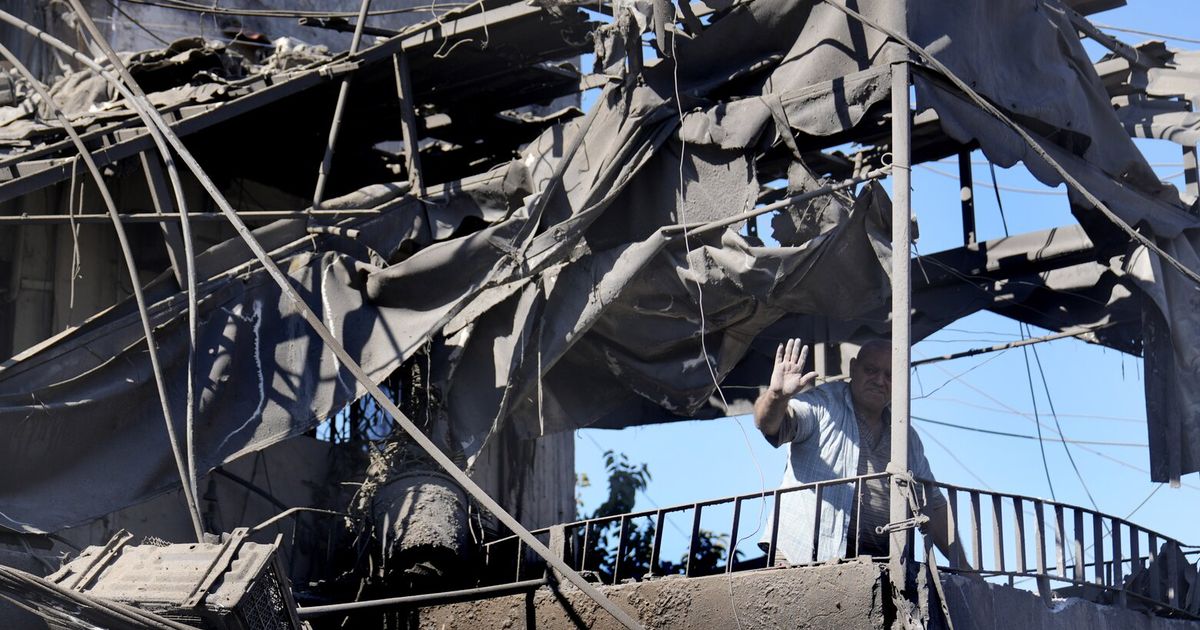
(1097, 392)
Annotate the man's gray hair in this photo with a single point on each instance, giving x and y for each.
(875, 345)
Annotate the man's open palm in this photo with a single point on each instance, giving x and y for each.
(788, 377)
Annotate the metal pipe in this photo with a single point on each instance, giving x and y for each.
(157, 186)
(408, 120)
(338, 109)
(1015, 344)
(154, 117)
(151, 217)
(185, 225)
(697, 228)
(429, 599)
(901, 311)
(967, 195)
(135, 282)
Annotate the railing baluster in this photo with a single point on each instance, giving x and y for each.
(1060, 540)
(1109, 565)
(1078, 538)
(771, 547)
(520, 557)
(587, 532)
(1155, 569)
(1135, 549)
(1039, 524)
(1019, 532)
(952, 528)
(998, 530)
(1173, 575)
(816, 537)
(621, 529)
(687, 569)
(733, 535)
(976, 535)
(660, 519)
(1118, 559)
(857, 516)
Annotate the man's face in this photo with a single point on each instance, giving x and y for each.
(871, 378)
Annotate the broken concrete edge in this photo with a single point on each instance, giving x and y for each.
(852, 594)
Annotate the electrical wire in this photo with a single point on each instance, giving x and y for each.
(1058, 427)
(1027, 191)
(733, 544)
(131, 268)
(153, 117)
(1093, 451)
(1025, 351)
(940, 68)
(1027, 437)
(1026, 414)
(1121, 29)
(118, 9)
(1025, 334)
(1038, 423)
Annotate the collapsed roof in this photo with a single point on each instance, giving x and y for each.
(562, 272)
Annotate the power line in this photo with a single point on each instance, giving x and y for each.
(1093, 451)
(1026, 437)
(1029, 191)
(114, 5)
(1025, 351)
(1067, 449)
(1122, 29)
(1026, 414)
(954, 457)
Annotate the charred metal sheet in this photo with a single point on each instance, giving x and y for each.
(233, 585)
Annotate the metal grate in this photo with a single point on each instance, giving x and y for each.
(263, 606)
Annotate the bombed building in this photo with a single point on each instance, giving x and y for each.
(301, 302)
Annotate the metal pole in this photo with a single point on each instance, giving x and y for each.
(153, 117)
(408, 120)
(135, 283)
(901, 312)
(1191, 174)
(429, 599)
(343, 92)
(967, 194)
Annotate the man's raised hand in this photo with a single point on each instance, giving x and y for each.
(788, 377)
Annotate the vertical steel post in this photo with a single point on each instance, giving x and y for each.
(966, 182)
(901, 295)
(336, 123)
(1191, 170)
(408, 120)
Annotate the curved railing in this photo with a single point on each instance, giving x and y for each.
(1002, 534)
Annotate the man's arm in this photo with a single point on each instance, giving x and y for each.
(939, 530)
(787, 380)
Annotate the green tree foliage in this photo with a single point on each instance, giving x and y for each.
(624, 482)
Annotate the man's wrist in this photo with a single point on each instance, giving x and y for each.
(776, 395)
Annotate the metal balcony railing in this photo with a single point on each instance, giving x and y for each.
(1002, 534)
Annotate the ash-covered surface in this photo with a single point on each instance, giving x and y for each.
(846, 596)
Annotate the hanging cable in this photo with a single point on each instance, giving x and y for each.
(153, 117)
(1121, 29)
(1027, 437)
(1058, 427)
(1025, 350)
(131, 266)
(1029, 140)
